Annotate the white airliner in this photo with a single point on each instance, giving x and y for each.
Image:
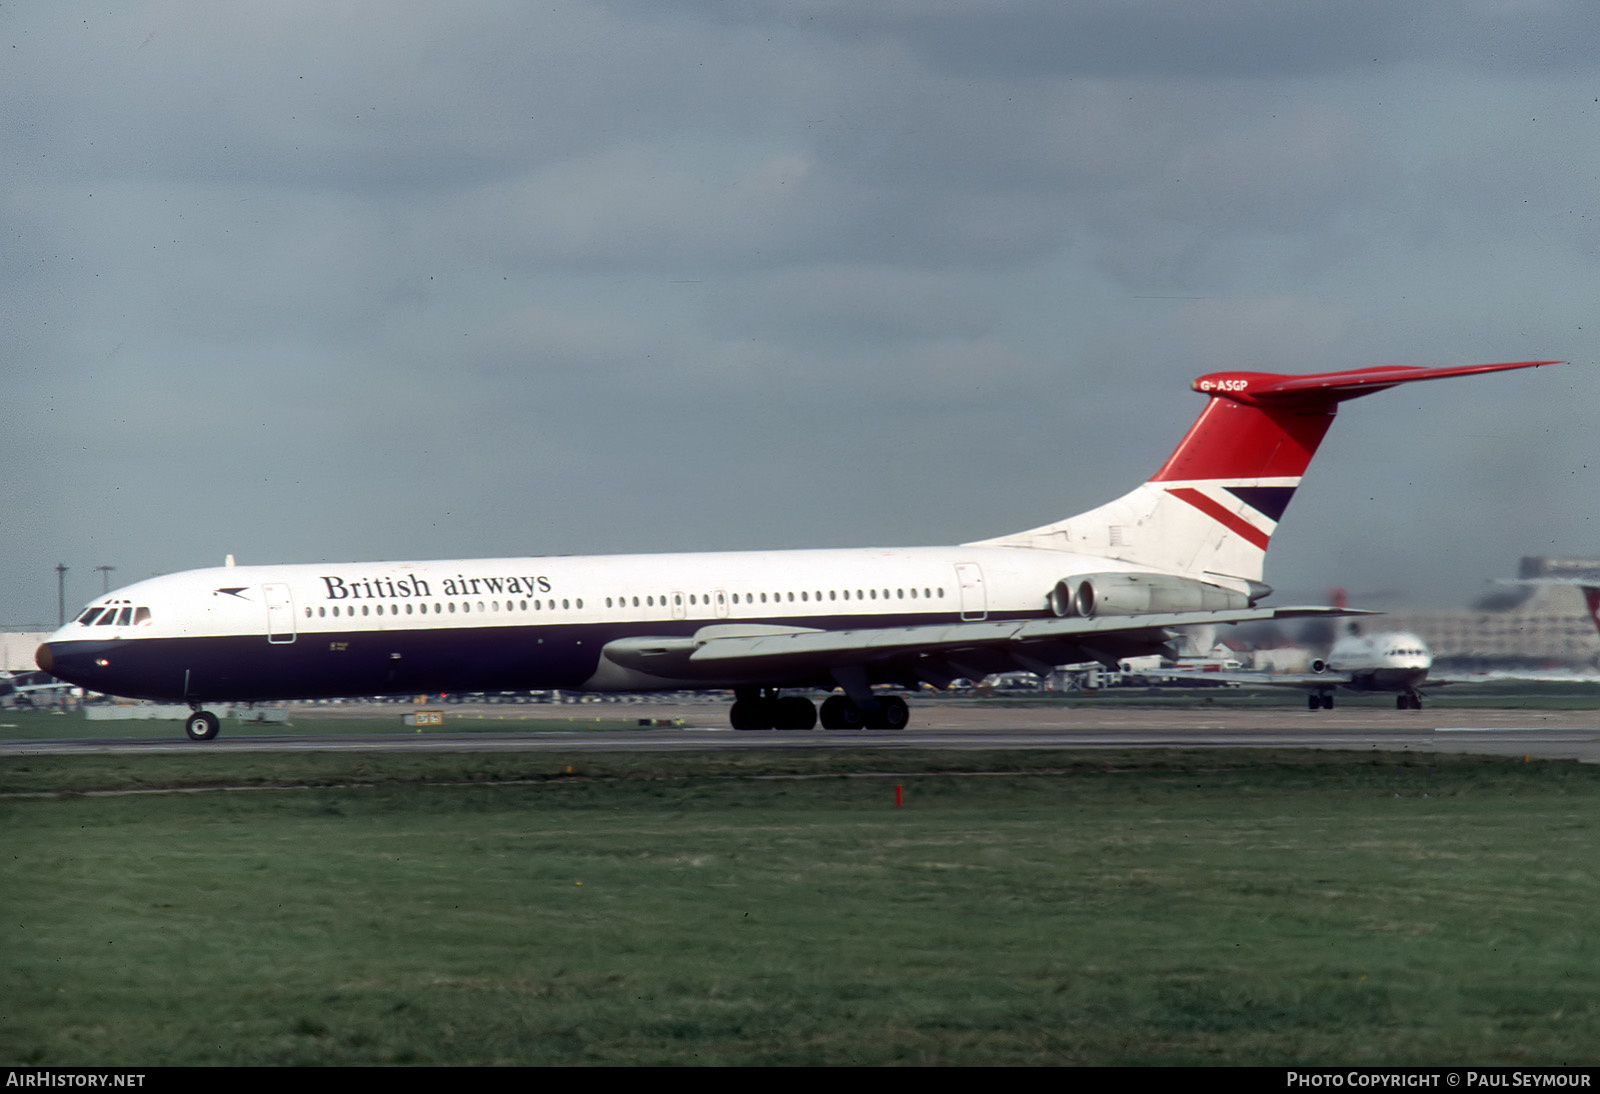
(1186, 547)
(1394, 662)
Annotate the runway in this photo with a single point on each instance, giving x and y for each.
(1545, 734)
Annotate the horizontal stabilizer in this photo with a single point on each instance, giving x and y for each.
(1271, 389)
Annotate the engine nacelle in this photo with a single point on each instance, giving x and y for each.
(1139, 594)
(1319, 665)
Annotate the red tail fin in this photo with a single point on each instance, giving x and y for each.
(1213, 506)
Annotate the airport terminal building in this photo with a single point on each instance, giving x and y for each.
(1529, 625)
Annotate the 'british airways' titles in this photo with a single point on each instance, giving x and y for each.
(400, 588)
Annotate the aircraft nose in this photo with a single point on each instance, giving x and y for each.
(69, 662)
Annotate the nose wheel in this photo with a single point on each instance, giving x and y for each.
(202, 726)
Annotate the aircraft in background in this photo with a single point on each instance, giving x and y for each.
(1397, 661)
(1186, 547)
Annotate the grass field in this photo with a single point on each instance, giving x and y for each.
(776, 908)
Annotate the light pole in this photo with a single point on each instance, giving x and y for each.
(61, 593)
(105, 573)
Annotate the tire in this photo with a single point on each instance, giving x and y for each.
(751, 714)
(840, 712)
(202, 726)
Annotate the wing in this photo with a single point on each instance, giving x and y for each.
(723, 655)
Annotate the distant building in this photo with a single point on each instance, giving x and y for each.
(17, 648)
(1528, 625)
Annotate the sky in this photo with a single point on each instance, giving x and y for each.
(351, 281)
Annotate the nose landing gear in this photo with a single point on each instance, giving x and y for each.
(202, 725)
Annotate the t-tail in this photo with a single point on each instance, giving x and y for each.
(1212, 508)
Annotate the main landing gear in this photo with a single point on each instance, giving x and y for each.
(764, 708)
(1319, 700)
(202, 725)
(1408, 700)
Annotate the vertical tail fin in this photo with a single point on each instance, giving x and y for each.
(1212, 507)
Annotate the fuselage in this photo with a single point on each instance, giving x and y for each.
(1396, 661)
(247, 633)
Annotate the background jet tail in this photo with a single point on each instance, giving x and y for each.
(1212, 507)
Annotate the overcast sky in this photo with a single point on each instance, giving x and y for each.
(358, 281)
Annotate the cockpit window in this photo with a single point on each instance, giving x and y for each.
(121, 614)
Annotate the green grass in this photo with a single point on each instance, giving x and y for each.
(775, 908)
